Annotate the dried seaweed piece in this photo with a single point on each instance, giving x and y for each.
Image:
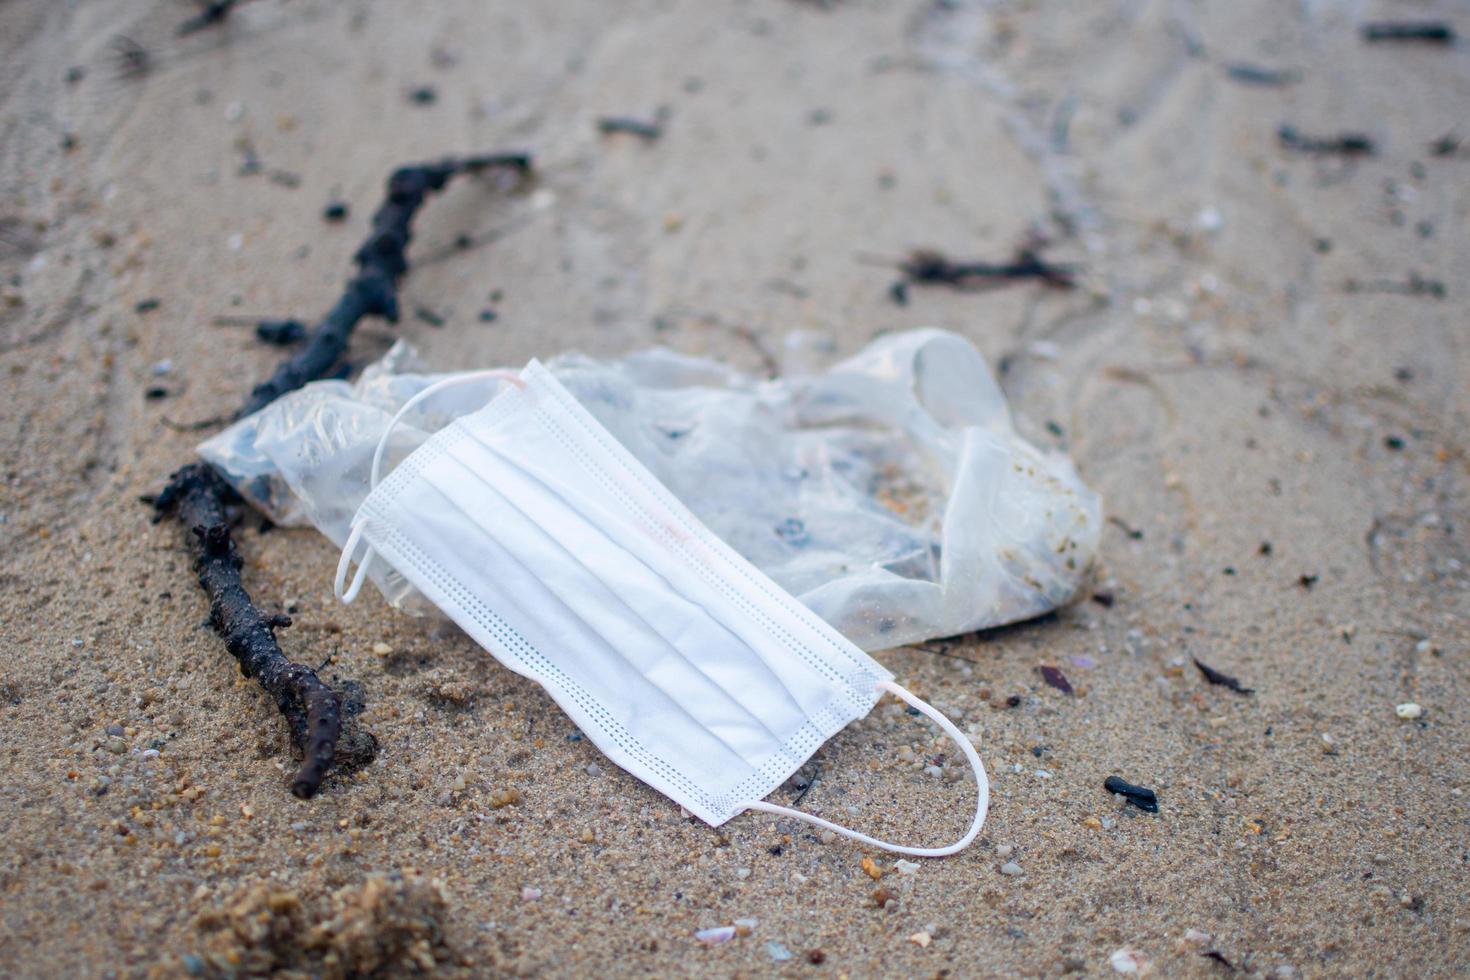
(928, 267)
(200, 495)
(1343, 144)
(1429, 31)
(1056, 679)
(1224, 680)
(1140, 796)
(381, 260)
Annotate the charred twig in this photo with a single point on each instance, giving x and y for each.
(381, 260)
(925, 267)
(1344, 144)
(1429, 31)
(312, 709)
(201, 496)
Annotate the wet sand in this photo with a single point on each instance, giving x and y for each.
(1273, 415)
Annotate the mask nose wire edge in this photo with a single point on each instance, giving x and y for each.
(377, 471)
(982, 785)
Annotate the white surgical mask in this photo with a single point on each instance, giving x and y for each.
(531, 527)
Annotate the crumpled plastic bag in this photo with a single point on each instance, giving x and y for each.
(889, 493)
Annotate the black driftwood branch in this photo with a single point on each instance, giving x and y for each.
(381, 260)
(202, 497)
(312, 709)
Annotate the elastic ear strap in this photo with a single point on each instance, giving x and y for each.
(437, 386)
(345, 560)
(982, 785)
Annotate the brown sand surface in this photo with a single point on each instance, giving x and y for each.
(1288, 453)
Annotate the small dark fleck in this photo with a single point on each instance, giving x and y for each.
(1265, 548)
(1224, 680)
(463, 242)
(899, 293)
(1053, 428)
(488, 316)
(774, 850)
(574, 737)
(148, 305)
(1446, 146)
(1140, 796)
(496, 295)
(1229, 570)
(424, 95)
(1324, 245)
(1393, 442)
(75, 74)
(1307, 581)
(1219, 957)
(816, 957)
(1014, 701)
(335, 211)
(1104, 599)
(428, 316)
(1056, 679)
(644, 129)
(1037, 751)
(155, 393)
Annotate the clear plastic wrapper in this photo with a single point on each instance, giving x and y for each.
(889, 493)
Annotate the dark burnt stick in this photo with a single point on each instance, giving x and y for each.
(926, 267)
(201, 496)
(381, 260)
(312, 709)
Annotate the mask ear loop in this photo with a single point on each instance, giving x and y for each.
(982, 784)
(358, 524)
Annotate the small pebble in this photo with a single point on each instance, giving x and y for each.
(458, 784)
(1003, 850)
(715, 936)
(593, 769)
(826, 837)
(1126, 961)
(1011, 868)
(920, 939)
(114, 729)
(382, 649)
(871, 869)
(1408, 711)
(116, 746)
(906, 867)
(1197, 936)
(742, 873)
(777, 951)
(530, 893)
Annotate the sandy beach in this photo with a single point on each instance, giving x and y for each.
(1262, 369)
